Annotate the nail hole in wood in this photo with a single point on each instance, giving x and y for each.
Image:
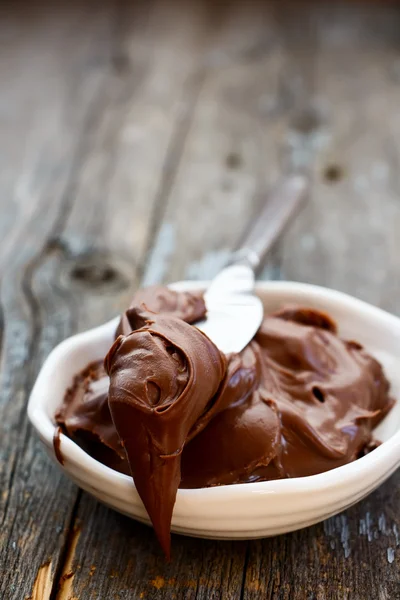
(233, 160)
(333, 173)
(307, 121)
(318, 393)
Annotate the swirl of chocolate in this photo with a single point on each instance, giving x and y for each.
(241, 380)
(330, 393)
(188, 306)
(162, 377)
(250, 452)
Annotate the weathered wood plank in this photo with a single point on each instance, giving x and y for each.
(232, 152)
(134, 142)
(133, 566)
(39, 138)
(348, 236)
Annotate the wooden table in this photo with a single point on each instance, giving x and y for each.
(137, 141)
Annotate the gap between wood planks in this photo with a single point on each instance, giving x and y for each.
(63, 578)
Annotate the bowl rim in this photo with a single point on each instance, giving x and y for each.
(385, 459)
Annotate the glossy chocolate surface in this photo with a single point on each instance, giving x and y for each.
(176, 412)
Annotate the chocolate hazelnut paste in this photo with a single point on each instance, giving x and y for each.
(168, 408)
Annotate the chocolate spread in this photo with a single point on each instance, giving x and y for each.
(170, 409)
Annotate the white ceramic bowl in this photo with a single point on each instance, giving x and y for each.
(247, 510)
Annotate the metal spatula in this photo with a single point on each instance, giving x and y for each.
(234, 313)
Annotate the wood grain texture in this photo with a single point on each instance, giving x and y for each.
(137, 142)
(40, 136)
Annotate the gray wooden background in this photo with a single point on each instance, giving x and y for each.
(137, 141)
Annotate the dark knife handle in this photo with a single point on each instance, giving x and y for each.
(281, 206)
